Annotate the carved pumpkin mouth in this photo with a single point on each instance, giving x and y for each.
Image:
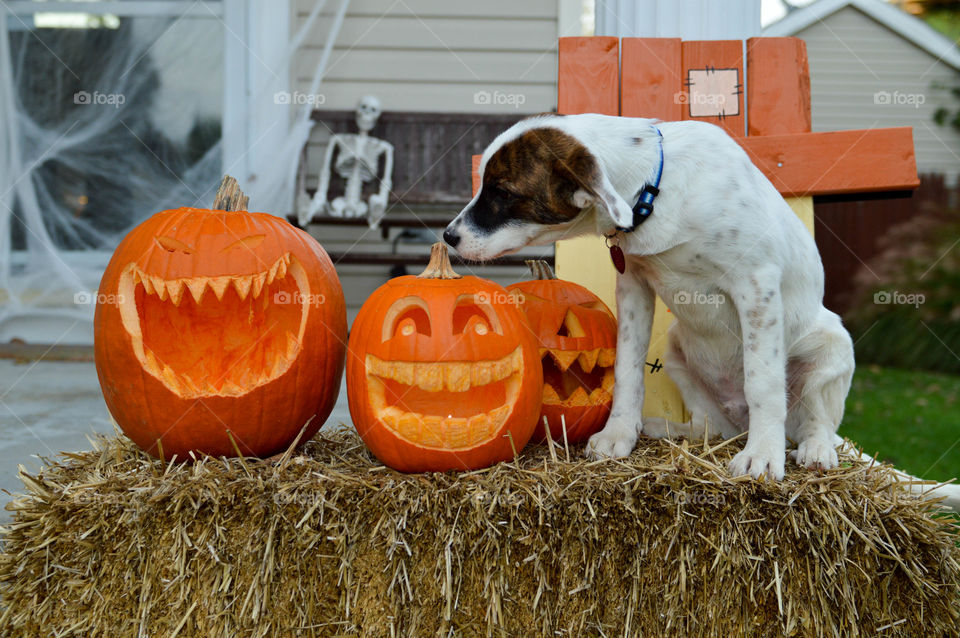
(447, 404)
(216, 336)
(577, 377)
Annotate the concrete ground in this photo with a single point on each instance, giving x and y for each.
(51, 406)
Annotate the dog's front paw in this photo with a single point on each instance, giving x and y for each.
(757, 461)
(615, 440)
(816, 454)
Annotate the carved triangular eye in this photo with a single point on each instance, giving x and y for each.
(571, 326)
(172, 245)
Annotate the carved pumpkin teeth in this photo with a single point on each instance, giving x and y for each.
(293, 345)
(578, 397)
(431, 431)
(444, 430)
(279, 365)
(170, 378)
(455, 433)
(147, 284)
(457, 377)
(498, 417)
(391, 416)
(564, 358)
(504, 368)
(254, 368)
(219, 286)
(481, 373)
(273, 271)
(550, 396)
(258, 281)
(404, 373)
(479, 427)
(608, 380)
(607, 358)
(242, 286)
(196, 287)
(599, 396)
(159, 287)
(175, 290)
(429, 377)
(189, 384)
(151, 360)
(408, 426)
(588, 359)
(230, 388)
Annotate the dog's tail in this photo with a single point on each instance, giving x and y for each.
(950, 492)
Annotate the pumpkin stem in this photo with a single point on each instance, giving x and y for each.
(540, 269)
(229, 197)
(439, 266)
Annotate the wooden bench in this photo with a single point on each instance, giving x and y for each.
(429, 185)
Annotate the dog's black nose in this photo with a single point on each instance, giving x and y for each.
(451, 238)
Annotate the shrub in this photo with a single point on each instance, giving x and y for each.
(905, 311)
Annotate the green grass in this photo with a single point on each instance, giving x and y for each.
(907, 417)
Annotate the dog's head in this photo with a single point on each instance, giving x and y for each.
(539, 183)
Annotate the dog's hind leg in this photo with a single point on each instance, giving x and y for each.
(819, 372)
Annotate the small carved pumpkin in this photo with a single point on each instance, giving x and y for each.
(228, 325)
(578, 339)
(443, 372)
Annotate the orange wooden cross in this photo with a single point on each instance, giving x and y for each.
(670, 79)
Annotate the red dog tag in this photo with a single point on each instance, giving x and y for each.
(616, 256)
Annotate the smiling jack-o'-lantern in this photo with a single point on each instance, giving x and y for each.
(442, 372)
(228, 333)
(578, 339)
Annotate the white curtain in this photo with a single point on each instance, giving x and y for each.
(93, 141)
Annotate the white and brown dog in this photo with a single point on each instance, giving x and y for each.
(752, 348)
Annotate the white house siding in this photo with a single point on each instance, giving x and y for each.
(435, 55)
(853, 58)
(426, 55)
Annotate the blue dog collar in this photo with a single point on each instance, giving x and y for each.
(644, 206)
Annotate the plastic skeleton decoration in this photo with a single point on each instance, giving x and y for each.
(357, 161)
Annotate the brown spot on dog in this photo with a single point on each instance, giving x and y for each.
(532, 179)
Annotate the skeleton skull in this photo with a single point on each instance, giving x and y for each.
(368, 112)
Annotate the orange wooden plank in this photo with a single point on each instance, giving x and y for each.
(778, 86)
(589, 76)
(650, 78)
(475, 172)
(836, 162)
(712, 73)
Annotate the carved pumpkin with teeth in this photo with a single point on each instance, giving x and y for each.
(442, 372)
(578, 338)
(228, 334)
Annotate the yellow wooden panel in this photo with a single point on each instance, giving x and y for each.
(803, 207)
(662, 398)
(586, 261)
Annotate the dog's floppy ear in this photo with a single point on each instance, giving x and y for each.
(607, 201)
